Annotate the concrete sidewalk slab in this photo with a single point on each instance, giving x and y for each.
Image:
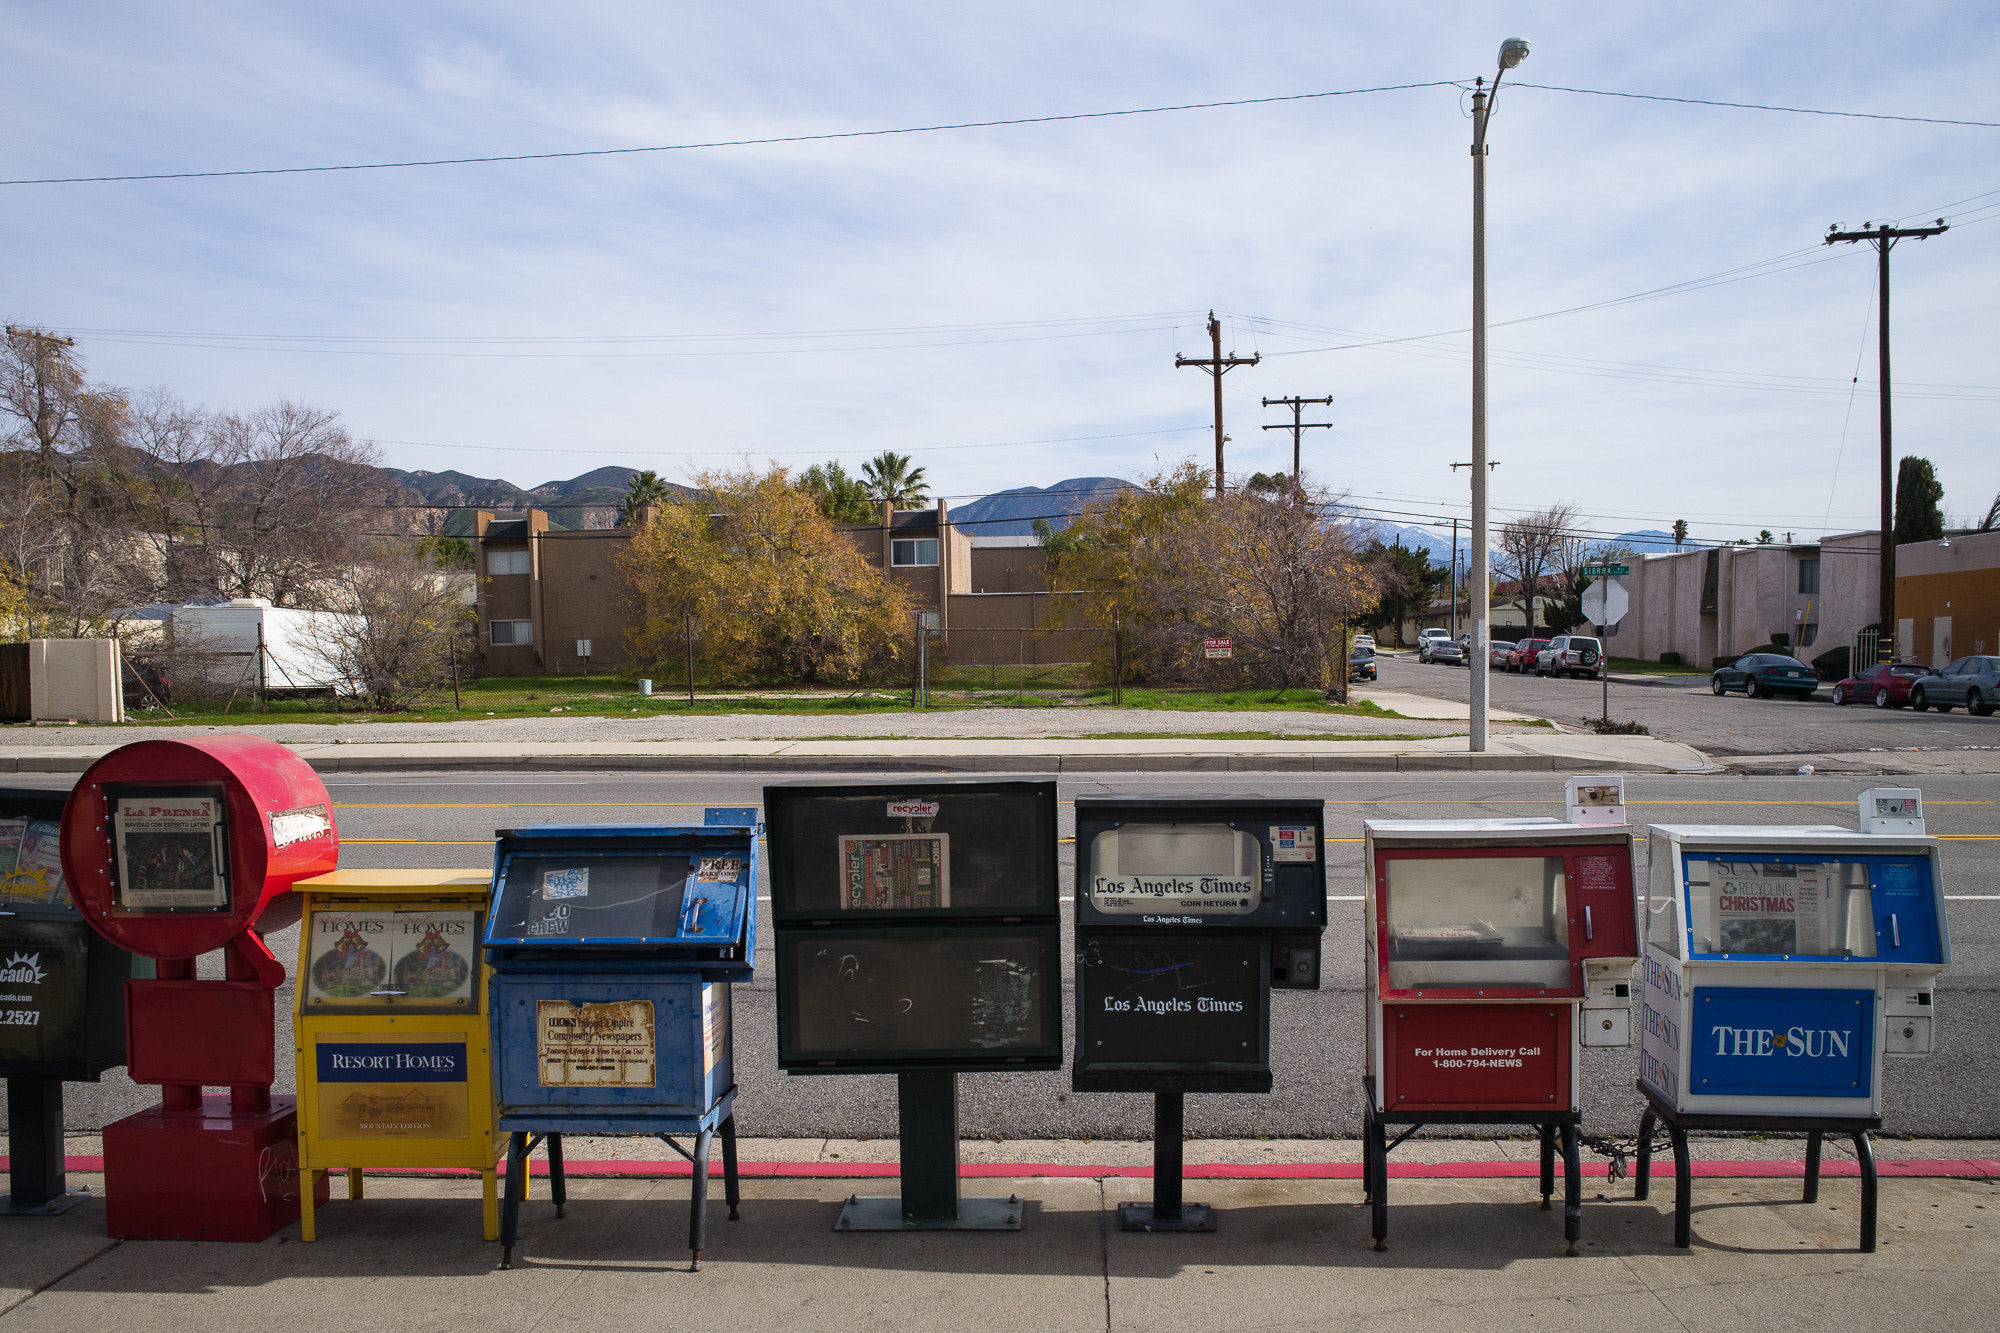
(1286, 1254)
(1536, 752)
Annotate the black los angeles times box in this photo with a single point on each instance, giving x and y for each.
(1172, 1014)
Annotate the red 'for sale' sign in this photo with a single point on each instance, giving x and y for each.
(1218, 647)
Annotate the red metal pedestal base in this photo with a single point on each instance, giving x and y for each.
(220, 1175)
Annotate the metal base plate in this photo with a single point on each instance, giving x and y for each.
(886, 1214)
(1139, 1217)
(62, 1203)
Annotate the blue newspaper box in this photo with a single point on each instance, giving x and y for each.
(1782, 965)
(613, 949)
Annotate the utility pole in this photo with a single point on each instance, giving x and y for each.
(1454, 579)
(1884, 239)
(1297, 426)
(1217, 365)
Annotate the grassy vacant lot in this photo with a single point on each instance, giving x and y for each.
(1049, 687)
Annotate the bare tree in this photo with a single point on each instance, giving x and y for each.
(409, 613)
(1535, 546)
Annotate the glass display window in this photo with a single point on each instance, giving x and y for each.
(418, 960)
(1211, 869)
(556, 898)
(1476, 922)
(1662, 920)
(1812, 906)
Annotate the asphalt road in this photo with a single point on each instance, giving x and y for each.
(1681, 708)
(442, 820)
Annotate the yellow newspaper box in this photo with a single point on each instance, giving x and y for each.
(392, 1033)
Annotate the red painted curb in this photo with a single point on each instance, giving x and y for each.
(1929, 1168)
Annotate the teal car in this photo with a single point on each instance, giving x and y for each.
(1765, 676)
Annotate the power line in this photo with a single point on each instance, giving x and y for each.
(1760, 106)
(726, 143)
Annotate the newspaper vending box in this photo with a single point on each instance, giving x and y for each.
(62, 1000)
(391, 1031)
(613, 949)
(174, 849)
(917, 936)
(1188, 913)
(1782, 964)
(1498, 949)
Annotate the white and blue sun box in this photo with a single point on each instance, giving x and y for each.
(1783, 963)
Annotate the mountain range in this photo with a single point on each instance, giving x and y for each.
(590, 501)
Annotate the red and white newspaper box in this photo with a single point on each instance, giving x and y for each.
(1499, 948)
(175, 849)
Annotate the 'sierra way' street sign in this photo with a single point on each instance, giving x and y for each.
(1605, 571)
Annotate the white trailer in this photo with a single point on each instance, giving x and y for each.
(220, 646)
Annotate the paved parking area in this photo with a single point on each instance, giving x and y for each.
(1682, 709)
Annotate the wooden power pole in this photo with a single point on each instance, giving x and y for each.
(1216, 364)
(1297, 426)
(1884, 238)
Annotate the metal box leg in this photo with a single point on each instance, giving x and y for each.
(1572, 1191)
(927, 1125)
(1683, 1190)
(558, 1187)
(1168, 1211)
(732, 1191)
(1642, 1163)
(489, 1205)
(1864, 1153)
(1545, 1134)
(1378, 1146)
(354, 1186)
(1812, 1166)
(307, 1231)
(698, 1200)
(510, 1210)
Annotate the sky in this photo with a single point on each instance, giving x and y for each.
(1005, 304)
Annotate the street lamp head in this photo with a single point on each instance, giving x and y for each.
(1513, 51)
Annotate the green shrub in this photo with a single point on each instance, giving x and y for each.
(1670, 659)
(1835, 663)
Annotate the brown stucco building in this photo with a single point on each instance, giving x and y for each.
(1948, 598)
(545, 593)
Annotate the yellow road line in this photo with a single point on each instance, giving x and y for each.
(701, 805)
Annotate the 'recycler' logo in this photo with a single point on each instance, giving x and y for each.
(23, 969)
(1798, 1043)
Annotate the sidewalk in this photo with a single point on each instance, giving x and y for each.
(1533, 751)
(1290, 1254)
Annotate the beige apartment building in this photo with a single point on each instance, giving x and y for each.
(547, 595)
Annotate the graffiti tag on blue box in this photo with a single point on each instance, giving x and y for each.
(1782, 1043)
(391, 1062)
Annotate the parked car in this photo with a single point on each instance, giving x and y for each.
(1447, 652)
(1365, 641)
(1427, 637)
(1497, 654)
(1361, 665)
(1569, 655)
(1971, 681)
(1885, 686)
(1765, 675)
(1521, 656)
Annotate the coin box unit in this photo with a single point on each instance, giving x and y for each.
(1498, 949)
(62, 1001)
(391, 1035)
(917, 935)
(1782, 965)
(175, 849)
(1188, 914)
(613, 949)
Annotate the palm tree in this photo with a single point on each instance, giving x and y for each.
(890, 477)
(645, 488)
(1680, 532)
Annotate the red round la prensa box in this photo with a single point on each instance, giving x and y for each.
(174, 849)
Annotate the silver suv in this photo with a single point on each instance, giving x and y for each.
(1570, 655)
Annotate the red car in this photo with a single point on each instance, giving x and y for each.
(1522, 656)
(1885, 686)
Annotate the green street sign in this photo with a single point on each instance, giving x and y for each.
(1606, 571)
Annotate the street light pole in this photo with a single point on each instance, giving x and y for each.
(1512, 52)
